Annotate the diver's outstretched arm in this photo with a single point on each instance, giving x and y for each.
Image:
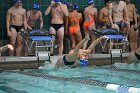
(92, 46)
(81, 44)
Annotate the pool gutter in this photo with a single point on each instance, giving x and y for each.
(14, 63)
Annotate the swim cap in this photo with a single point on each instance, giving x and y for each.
(36, 6)
(75, 6)
(90, 2)
(83, 62)
(66, 3)
(56, 1)
(17, 1)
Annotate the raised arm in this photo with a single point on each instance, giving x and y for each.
(64, 9)
(81, 44)
(27, 18)
(93, 45)
(48, 10)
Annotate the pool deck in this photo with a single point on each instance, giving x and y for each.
(33, 62)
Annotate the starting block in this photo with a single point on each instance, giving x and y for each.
(34, 36)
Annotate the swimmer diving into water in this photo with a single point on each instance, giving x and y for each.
(78, 55)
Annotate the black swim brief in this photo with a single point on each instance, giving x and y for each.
(57, 26)
(137, 55)
(17, 28)
(66, 62)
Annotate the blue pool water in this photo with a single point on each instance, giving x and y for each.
(11, 82)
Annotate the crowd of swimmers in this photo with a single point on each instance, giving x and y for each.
(66, 20)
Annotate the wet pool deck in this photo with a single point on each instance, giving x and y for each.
(13, 63)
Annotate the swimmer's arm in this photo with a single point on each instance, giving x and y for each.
(64, 9)
(101, 16)
(110, 15)
(81, 44)
(135, 15)
(126, 14)
(81, 18)
(48, 10)
(41, 21)
(96, 15)
(28, 15)
(93, 45)
(24, 20)
(8, 21)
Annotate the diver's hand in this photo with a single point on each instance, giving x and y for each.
(103, 37)
(10, 47)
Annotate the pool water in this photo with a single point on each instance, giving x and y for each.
(11, 82)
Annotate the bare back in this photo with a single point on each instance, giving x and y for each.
(16, 16)
(118, 10)
(89, 12)
(74, 18)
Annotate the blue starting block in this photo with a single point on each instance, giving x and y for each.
(33, 37)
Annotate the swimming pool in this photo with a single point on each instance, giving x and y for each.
(70, 80)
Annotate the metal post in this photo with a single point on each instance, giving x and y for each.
(111, 56)
(38, 59)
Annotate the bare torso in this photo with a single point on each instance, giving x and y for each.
(105, 14)
(118, 10)
(57, 15)
(16, 16)
(74, 18)
(89, 12)
(33, 18)
(130, 11)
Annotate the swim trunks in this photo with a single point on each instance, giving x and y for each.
(66, 62)
(17, 28)
(57, 26)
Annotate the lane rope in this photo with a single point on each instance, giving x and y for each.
(107, 85)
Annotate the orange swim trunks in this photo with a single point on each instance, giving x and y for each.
(88, 24)
(73, 30)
